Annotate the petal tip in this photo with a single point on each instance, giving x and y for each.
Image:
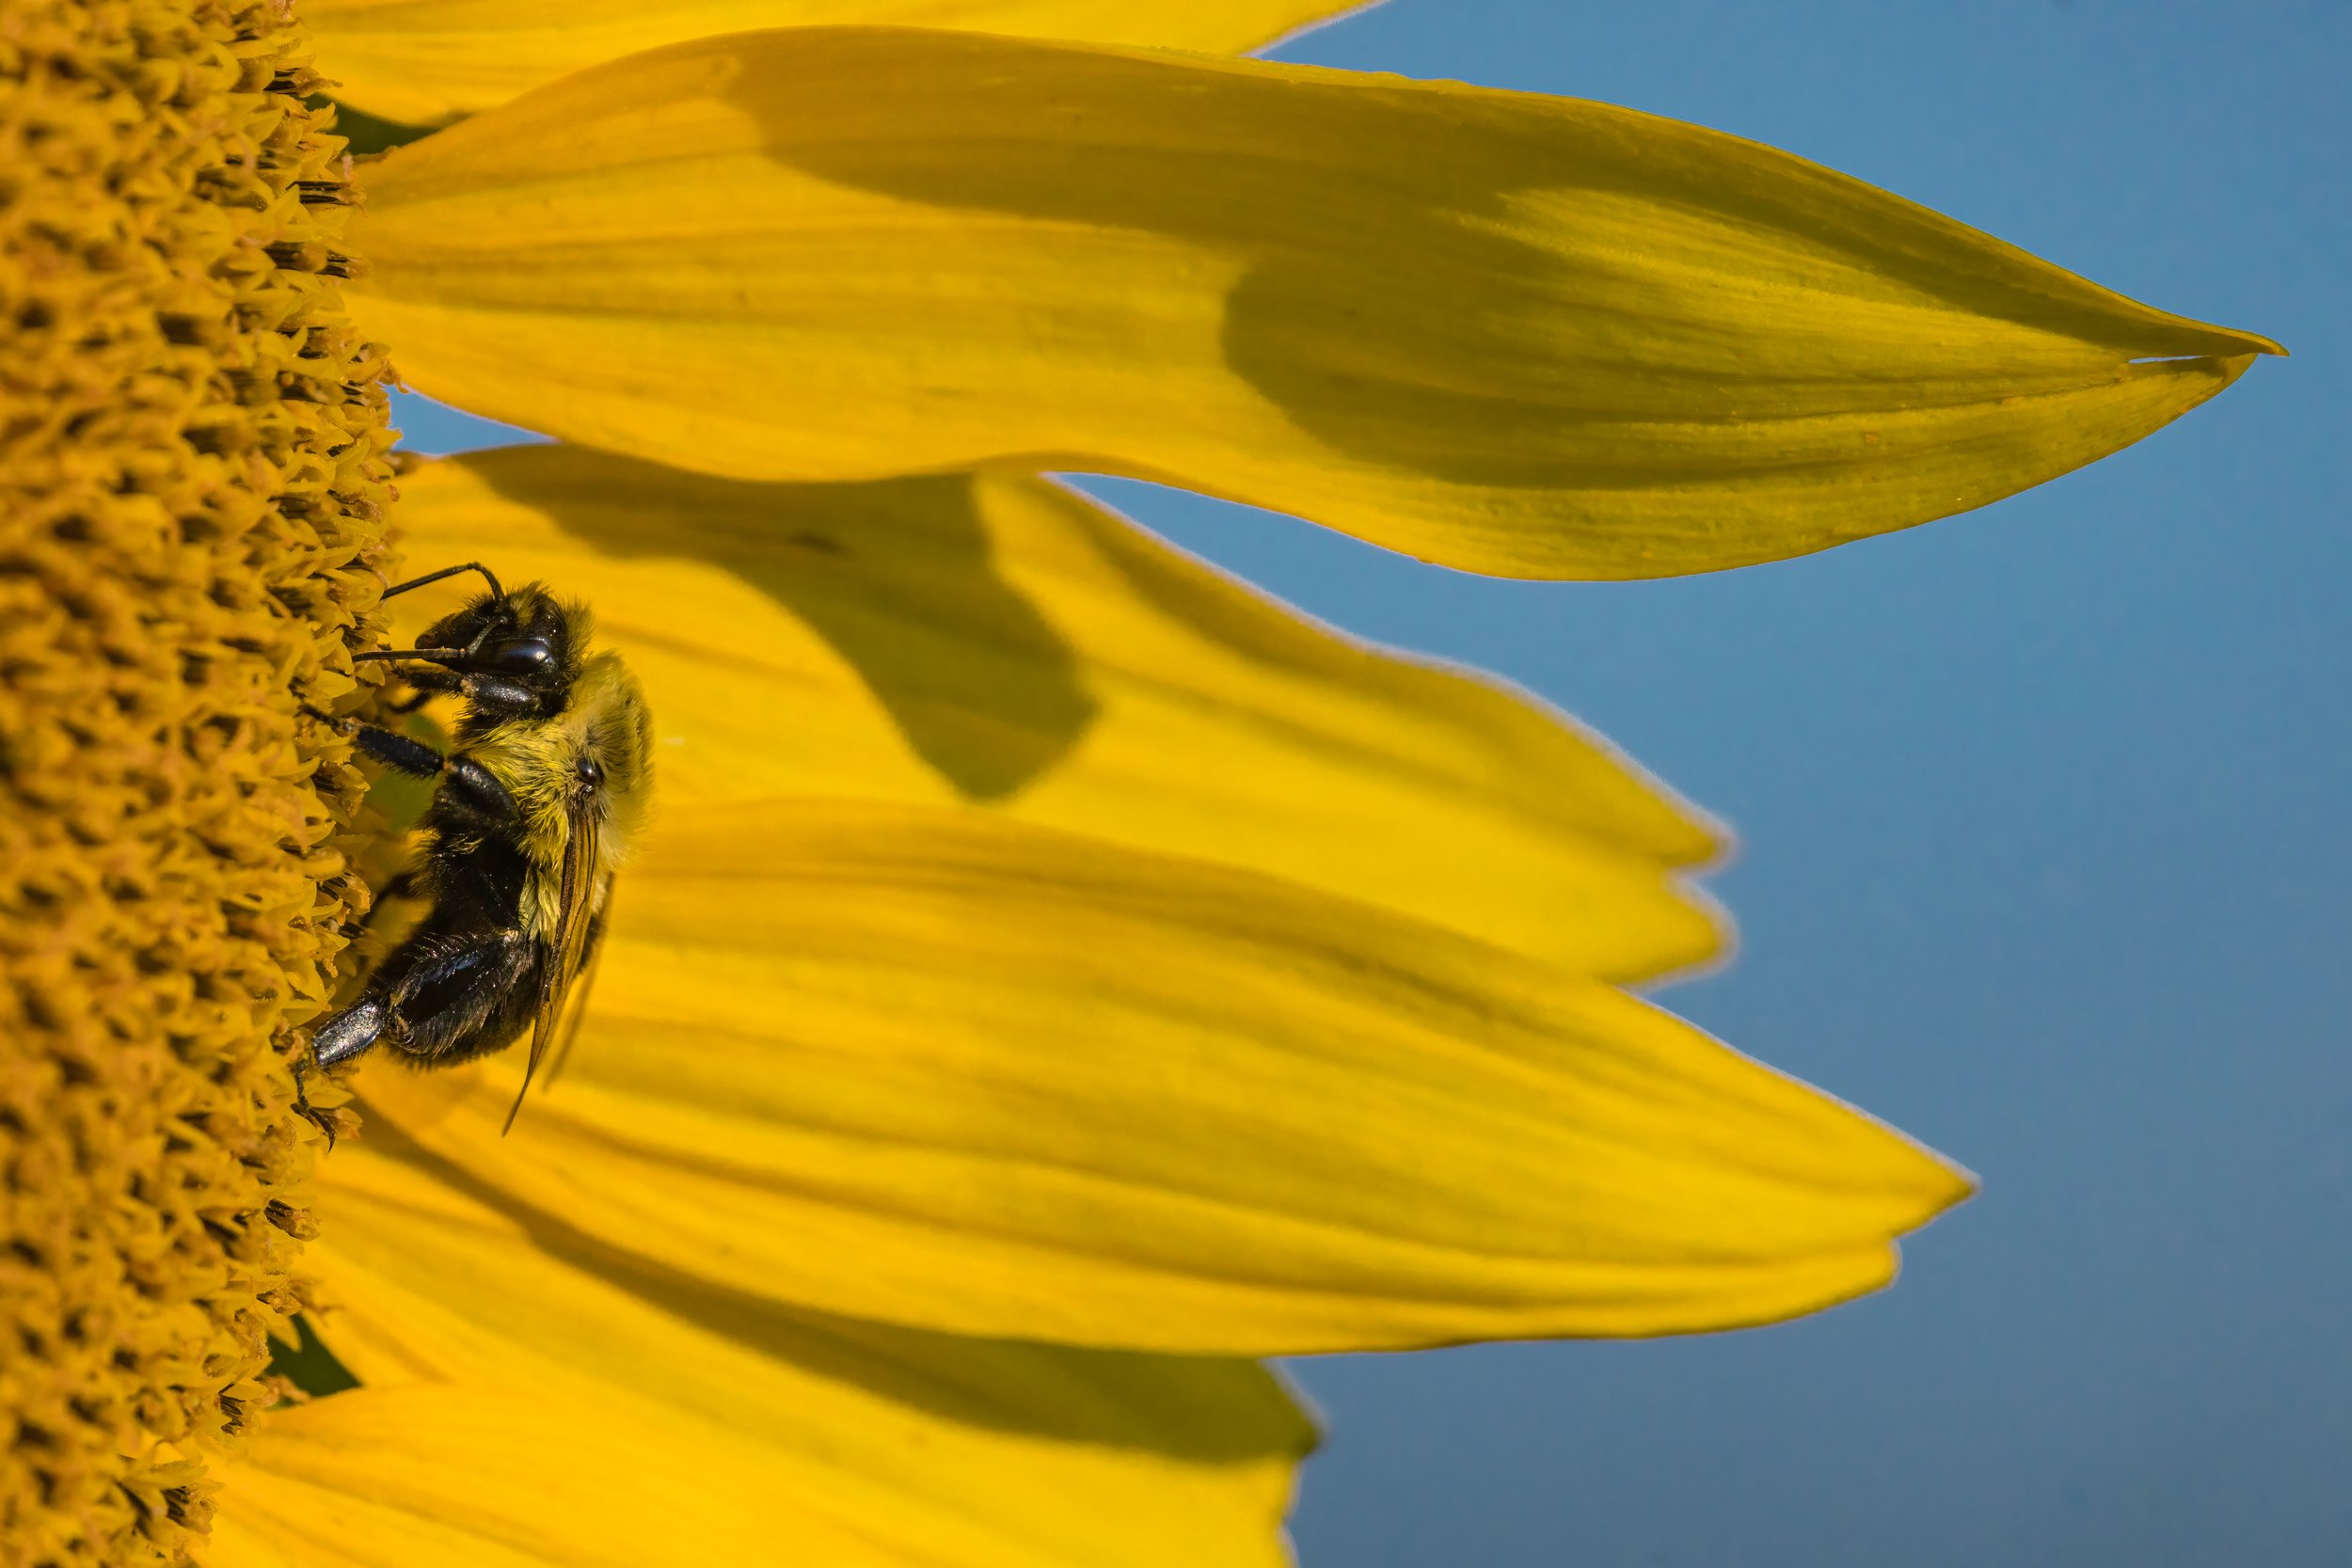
(1945, 1187)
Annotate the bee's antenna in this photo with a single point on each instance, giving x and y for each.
(496, 592)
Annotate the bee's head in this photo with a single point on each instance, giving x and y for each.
(516, 654)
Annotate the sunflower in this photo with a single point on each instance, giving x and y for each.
(1057, 974)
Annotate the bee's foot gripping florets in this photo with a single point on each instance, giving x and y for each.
(326, 1122)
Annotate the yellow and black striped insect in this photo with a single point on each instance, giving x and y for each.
(532, 813)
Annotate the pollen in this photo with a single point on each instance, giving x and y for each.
(192, 478)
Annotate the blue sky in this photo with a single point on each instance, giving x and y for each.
(2044, 852)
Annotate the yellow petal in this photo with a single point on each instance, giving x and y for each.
(904, 1446)
(462, 1477)
(476, 1477)
(1003, 640)
(1522, 335)
(939, 1069)
(425, 61)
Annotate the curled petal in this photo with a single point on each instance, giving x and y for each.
(1521, 335)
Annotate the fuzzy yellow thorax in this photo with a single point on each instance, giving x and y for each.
(193, 476)
(606, 720)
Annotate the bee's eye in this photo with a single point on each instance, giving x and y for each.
(524, 656)
(590, 772)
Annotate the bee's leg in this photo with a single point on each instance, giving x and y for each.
(349, 1032)
(394, 750)
(340, 1038)
(427, 679)
(443, 997)
(471, 995)
(464, 781)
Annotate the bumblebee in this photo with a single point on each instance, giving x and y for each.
(532, 813)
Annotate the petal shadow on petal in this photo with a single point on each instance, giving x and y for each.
(1571, 310)
(1034, 1390)
(1512, 333)
(989, 708)
(1221, 723)
(1476, 355)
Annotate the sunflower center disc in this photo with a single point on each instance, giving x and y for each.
(193, 477)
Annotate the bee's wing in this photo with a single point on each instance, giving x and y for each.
(567, 943)
(575, 1007)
